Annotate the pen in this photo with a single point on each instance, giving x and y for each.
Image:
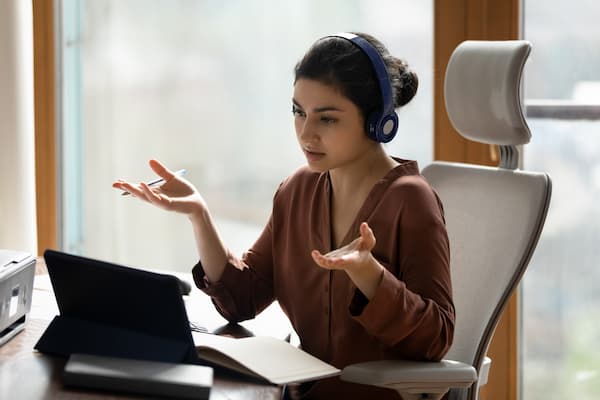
(158, 181)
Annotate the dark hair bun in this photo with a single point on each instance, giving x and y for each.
(404, 80)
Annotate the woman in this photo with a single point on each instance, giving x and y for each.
(356, 250)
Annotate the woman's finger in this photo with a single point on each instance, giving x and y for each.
(319, 258)
(335, 253)
(154, 197)
(133, 190)
(367, 235)
(327, 261)
(119, 184)
(161, 170)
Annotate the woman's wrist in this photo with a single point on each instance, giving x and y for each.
(199, 213)
(367, 276)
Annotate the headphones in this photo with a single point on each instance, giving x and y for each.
(382, 125)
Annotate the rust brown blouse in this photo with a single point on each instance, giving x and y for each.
(411, 315)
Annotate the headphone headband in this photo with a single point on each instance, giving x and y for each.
(378, 66)
(381, 126)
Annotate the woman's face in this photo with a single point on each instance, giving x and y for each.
(329, 127)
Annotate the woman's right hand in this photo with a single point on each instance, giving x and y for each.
(175, 194)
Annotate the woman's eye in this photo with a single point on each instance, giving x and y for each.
(328, 120)
(297, 112)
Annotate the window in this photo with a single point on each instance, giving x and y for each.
(561, 296)
(206, 86)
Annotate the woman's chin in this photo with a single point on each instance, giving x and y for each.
(317, 167)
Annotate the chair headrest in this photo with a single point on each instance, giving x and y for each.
(482, 91)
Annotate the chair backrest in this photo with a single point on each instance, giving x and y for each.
(494, 215)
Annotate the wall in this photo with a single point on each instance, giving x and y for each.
(17, 177)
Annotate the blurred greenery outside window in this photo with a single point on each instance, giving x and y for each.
(561, 298)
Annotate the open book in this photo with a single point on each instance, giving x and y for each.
(262, 357)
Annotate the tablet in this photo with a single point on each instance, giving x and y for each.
(113, 310)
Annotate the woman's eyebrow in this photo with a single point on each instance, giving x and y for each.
(319, 109)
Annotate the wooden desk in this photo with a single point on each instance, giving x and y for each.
(28, 374)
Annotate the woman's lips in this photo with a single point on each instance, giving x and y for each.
(313, 155)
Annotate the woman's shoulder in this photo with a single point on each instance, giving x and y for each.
(300, 181)
(406, 176)
(407, 183)
(300, 177)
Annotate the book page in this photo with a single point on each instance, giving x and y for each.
(272, 359)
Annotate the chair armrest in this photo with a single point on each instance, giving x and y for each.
(484, 372)
(412, 377)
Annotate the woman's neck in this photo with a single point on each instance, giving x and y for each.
(359, 176)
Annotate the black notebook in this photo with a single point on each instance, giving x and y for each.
(116, 311)
(141, 377)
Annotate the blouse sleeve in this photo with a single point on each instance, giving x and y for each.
(246, 286)
(412, 308)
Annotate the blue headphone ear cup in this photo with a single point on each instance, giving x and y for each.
(380, 128)
(372, 125)
(388, 126)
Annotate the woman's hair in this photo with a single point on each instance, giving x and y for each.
(337, 62)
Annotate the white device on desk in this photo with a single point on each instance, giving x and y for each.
(17, 270)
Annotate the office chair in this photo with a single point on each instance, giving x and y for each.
(494, 217)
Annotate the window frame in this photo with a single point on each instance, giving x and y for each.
(561, 109)
(454, 22)
(45, 116)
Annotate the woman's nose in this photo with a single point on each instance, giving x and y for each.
(307, 131)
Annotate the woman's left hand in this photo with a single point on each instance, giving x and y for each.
(357, 261)
(349, 257)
